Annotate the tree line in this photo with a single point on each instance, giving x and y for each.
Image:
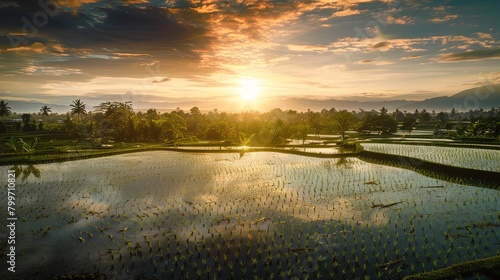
(117, 121)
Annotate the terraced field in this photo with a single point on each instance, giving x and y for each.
(468, 157)
(263, 215)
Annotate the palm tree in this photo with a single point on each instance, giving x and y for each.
(4, 109)
(78, 107)
(45, 110)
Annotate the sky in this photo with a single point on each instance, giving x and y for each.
(245, 51)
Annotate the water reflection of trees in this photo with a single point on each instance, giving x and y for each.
(26, 171)
(344, 162)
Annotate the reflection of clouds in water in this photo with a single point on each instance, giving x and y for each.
(161, 196)
(88, 205)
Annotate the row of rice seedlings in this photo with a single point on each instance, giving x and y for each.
(483, 159)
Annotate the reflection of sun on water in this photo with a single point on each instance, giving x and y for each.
(249, 89)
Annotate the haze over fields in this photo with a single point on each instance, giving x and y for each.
(242, 55)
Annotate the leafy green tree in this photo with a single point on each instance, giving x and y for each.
(300, 131)
(398, 115)
(194, 122)
(383, 124)
(386, 124)
(279, 132)
(4, 109)
(443, 118)
(3, 127)
(152, 114)
(118, 117)
(45, 110)
(26, 119)
(477, 127)
(315, 121)
(78, 108)
(154, 130)
(221, 130)
(383, 111)
(481, 126)
(69, 123)
(195, 111)
(408, 123)
(343, 121)
(172, 126)
(424, 116)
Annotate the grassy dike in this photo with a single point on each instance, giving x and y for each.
(440, 171)
(489, 267)
(41, 158)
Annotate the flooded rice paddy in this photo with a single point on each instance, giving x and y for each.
(262, 216)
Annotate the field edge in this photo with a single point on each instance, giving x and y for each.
(489, 266)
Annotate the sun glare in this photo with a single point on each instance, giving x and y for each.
(249, 89)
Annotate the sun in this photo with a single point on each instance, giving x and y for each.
(249, 89)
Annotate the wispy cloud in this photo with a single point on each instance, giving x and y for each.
(166, 79)
(347, 12)
(375, 62)
(402, 20)
(411, 57)
(444, 19)
(483, 35)
(383, 46)
(308, 48)
(469, 56)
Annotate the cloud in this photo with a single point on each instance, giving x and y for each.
(74, 3)
(400, 20)
(443, 19)
(366, 45)
(383, 46)
(161, 81)
(482, 35)
(411, 57)
(49, 71)
(36, 47)
(347, 12)
(307, 48)
(439, 8)
(111, 40)
(203, 42)
(336, 67)
(419, 44)
(469, 56)
(375, 62)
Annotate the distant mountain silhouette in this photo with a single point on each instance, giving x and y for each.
(485, 97)
(303, 104)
